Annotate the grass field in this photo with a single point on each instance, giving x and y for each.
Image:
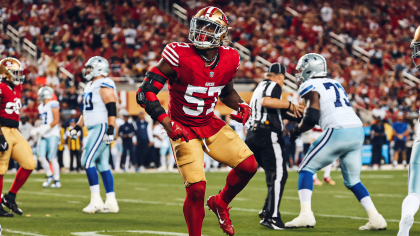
(151, 204)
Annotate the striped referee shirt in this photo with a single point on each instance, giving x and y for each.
(266, 88)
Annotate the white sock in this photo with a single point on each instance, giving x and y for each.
(110, 195)
(94, 188)
(305, 200)
(404, 163)
(315, 176)
(56, 169)
(45, 165)
(395, 163)
(327, 171)
(411, 204)
(163, 160)
(369, 206)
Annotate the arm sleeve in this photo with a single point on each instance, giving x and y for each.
(305, 88)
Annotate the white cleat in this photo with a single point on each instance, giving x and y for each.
(111, 205)
(405, 225)
(56, 184)
(304, 220)
(375, 223)
(162, 169)
(47, 182)
(96, 204)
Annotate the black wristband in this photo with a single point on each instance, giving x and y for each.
(112, 109)
(77, 128)
(110, 130)
(290, 104)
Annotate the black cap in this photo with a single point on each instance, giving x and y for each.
(277, 68)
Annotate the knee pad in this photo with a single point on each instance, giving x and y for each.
(197, 191)
(247, 166)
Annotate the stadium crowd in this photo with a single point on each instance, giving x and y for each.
(132, 34)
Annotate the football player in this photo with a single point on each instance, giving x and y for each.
(411, 203)
(199, 73)
(12, 143)
(49, 135)
(343, 136)
(99, 115)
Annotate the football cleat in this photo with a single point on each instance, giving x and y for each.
(47, 182)
(317, 182)
(276, 224)
(405, 225)
(4, 213)
(375, 223)
(304, 220)
(329, 181)
(261, 214)
(96, 204)
(10, 203)
(222, 215)
(56, 184)
(111, 205)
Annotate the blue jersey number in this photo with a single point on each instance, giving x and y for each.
(44, 118)
(87, 101)
(337, 88)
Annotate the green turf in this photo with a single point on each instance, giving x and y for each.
(154, 202)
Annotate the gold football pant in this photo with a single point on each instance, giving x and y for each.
(225, 147)
(19, 150)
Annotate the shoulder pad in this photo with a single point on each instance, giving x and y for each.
(172, 52)
(306, 87)
(54, 104)
(233, 54)
(107, 83)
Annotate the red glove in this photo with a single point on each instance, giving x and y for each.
(178, 131)
(244, 112)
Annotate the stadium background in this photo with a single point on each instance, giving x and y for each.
(366, 45)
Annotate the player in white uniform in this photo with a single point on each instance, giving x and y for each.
(343, 136)
(49, 136)
(99, 115)
(411, 203)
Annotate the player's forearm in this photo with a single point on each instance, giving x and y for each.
(81, 122)
(274, 103)
(231, 100)
(303, 127)
(166, 122)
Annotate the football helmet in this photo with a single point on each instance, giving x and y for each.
(45, 93)
(311, 65)
(208, 28)
(94, 67)
(415, 51)
(11, 70)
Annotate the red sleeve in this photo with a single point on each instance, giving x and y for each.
(171, 55)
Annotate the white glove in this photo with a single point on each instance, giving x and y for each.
(43, 130)
(34, 131)
(109, 136)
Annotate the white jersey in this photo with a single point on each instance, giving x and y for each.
(94, 109)
(336, 111)
(45, 112)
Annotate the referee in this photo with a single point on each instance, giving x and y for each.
(264, 138)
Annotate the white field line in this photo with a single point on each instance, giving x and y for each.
(20, 232)
(95, 233)
(179, 204)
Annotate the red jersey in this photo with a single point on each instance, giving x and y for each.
(10, 105)
(194, 93)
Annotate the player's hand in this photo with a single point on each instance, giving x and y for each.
(73, 132)
(34, 131)
(178, 131)
(43, 130)
(4, 146)
(296, 109)
(244, 112)
(294, 134)
(109, 136)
